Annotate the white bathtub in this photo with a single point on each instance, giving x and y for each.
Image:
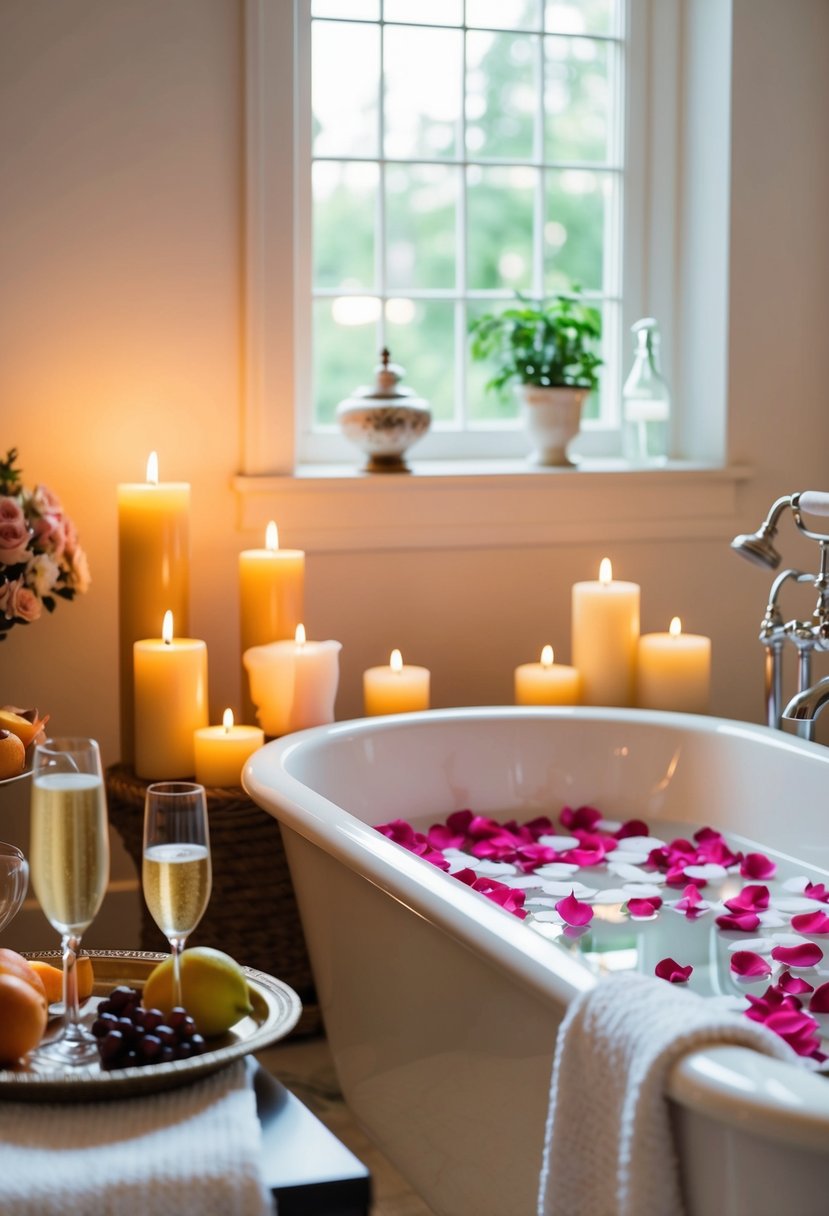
(441, 1009)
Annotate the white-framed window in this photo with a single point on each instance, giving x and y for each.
(449, 152)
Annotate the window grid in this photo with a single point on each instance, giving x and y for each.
(611, 170)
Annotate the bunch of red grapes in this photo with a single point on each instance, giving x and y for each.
(130, 1036)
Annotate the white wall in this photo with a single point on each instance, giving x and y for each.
(120, 328)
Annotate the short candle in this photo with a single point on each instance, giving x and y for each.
(396, 689)
(170, 703)
(605, 628)
(293, 684)
(222, 751)
(547, 682)
(674, 671)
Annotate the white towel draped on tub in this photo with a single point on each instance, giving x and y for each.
(193, 1151)
(608, 1149)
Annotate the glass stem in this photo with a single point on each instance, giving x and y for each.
(71, 1013)
(176, 947)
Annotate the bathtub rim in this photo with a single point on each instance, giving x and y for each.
(736, 1086)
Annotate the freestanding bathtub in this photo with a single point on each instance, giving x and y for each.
(441, 1009)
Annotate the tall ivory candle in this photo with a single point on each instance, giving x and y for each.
(153, 573)
(674, 670)
(605, 631)
(170, 703)
(222, 751)
(396, 689)
(271, 594)
(547, 682)
(293, 684)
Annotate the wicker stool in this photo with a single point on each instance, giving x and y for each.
(252, 913)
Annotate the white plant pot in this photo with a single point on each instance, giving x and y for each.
(552, 417)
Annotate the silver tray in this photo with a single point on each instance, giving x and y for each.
(276, 1010)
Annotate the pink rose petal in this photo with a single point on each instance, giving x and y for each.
(807, 955)
(644, 909)
(811, 923)
(632, 827)
(585, 817)
(793, 985)
(819, 1002)
(573, 912)
(749, 965)
(816, 890)
(757, 865)
(743, 922)
(753, 898)
(673, 972)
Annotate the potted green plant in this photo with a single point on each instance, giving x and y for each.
(547, 349)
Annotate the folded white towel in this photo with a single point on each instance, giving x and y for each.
(195, 1150)
(608, 1148)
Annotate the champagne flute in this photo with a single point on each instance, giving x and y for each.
(176, 871)
(69, 865)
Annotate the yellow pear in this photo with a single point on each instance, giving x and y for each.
(214, 990)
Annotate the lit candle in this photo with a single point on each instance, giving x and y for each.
(547, 682)
(395, 689)
(271, 593)
(221, 751)
(293, 684)
(605, 631)
(674, 670)
(170, 703)
(153, 572)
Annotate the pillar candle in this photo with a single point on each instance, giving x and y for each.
(547, 682)
(605, 632)
(674, 671)
(170, 703)
(221, 751)
(396, 689)
(153, 573)
(293, 684)
(271, 594)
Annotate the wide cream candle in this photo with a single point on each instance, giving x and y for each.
(222, 751)
(547, 682)
(170, 703)
(674, 671)
(396, 689)
(293, 684)
(153, 573)
(605, 638)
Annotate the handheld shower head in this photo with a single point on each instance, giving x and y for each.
(758, 546)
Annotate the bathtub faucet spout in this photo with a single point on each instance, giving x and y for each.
(805, 708)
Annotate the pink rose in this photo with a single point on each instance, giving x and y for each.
(50, 535)
(45, 502)
(18, 602)
(14, 533)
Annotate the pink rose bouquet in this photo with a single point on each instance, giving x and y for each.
(40, 558)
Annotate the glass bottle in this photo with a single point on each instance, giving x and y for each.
(646, 401)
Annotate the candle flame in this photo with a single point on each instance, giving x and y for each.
(605, 572)
(299, 636)
(152, 468)
(272, 537)
(675, 627)
(167, 628)
(396, 661)
(547, 656)
(227, 720)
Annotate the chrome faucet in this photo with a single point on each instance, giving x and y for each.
(805, 636)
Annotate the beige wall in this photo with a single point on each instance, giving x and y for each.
(120, 238)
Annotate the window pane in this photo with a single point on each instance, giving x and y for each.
(421, 202)
(582, 16)
(345, 355)
(598, 401)
(344, 101)
(504, 14)
(344, 202)
(368, 10)
(483, 404)
(425, 12)
(576, 100)
(502, 91)
(423, 91)
(500, 227)
(421, 336)
(574, 229)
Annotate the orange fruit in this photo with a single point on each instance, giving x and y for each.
(52, 977)
(12, 963)
(23, 1017)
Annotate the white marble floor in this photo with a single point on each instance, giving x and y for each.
(304, 1066)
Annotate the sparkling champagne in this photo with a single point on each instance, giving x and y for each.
(176, 880)
(70, 848)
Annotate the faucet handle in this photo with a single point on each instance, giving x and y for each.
(813, 502)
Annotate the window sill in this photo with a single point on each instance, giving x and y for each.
(490, 504)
